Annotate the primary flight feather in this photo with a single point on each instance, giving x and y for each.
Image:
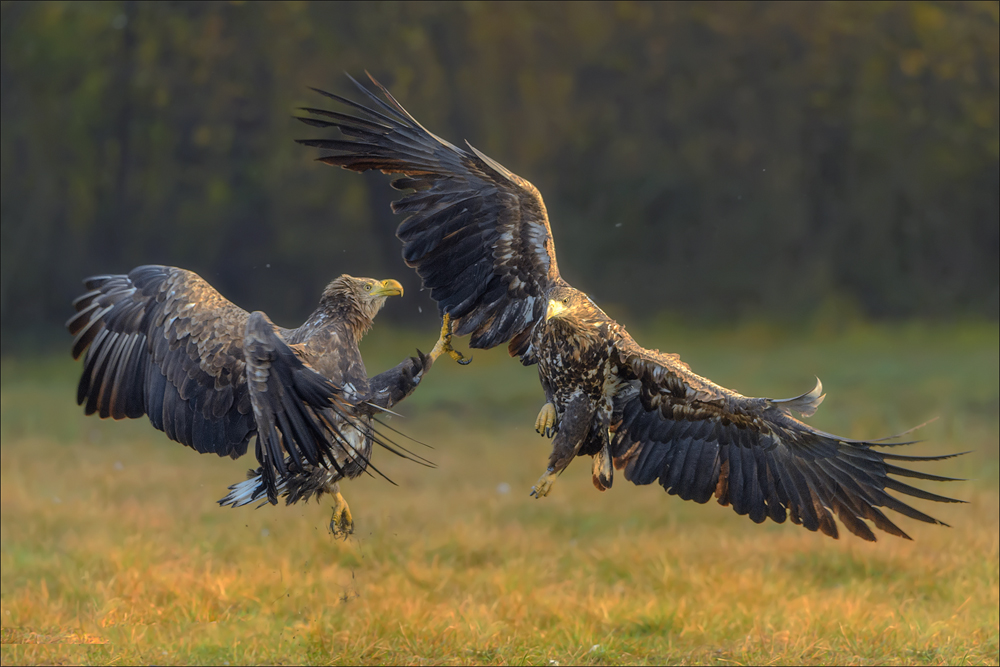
(479, 237)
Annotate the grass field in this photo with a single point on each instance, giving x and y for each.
(114, 551)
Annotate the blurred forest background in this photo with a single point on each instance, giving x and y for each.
(716, 162)
(772, 190)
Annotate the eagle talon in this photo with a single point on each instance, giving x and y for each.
(443, 344)
(545, 422)
(543, 485)
(341, 523)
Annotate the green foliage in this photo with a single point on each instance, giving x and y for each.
(715, 160)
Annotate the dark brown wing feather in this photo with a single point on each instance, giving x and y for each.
(698, 440)
(164, 343)
(297, 410)
(477, 234)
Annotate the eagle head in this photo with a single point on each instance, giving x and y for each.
(571, 307)
(358, 300)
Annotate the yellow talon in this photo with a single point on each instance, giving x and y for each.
(342, 523)
(543, 485)
(545, 422)
(444, 344)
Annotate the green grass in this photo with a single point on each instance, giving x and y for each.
(113, 550)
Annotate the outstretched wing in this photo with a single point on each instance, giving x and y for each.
(698, 440)
(165, 343)
(477, 234)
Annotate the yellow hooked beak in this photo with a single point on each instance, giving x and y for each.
(555, 309)
(388, 288)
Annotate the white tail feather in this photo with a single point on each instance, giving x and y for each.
(248, 491)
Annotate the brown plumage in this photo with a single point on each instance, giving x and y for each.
(479, 237)
(162, 342)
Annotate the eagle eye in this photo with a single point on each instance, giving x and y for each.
(368, 287)
(566, 301)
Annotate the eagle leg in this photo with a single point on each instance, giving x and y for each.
(443, 344)
(545, 422)
(544, 484)
(572, 432)
(341, 523)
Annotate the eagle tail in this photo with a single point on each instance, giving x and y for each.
(250, 490)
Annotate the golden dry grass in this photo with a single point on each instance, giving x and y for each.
(113, 550)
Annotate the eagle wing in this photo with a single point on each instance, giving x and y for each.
(477, 234)
(163, 342)
(699, 439)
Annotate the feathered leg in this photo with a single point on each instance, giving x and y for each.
(574, 427)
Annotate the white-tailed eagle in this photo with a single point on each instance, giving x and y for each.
(479, 237)
(164, 343)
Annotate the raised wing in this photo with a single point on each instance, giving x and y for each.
(165, 343)
(477, 234)
(698, 440)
